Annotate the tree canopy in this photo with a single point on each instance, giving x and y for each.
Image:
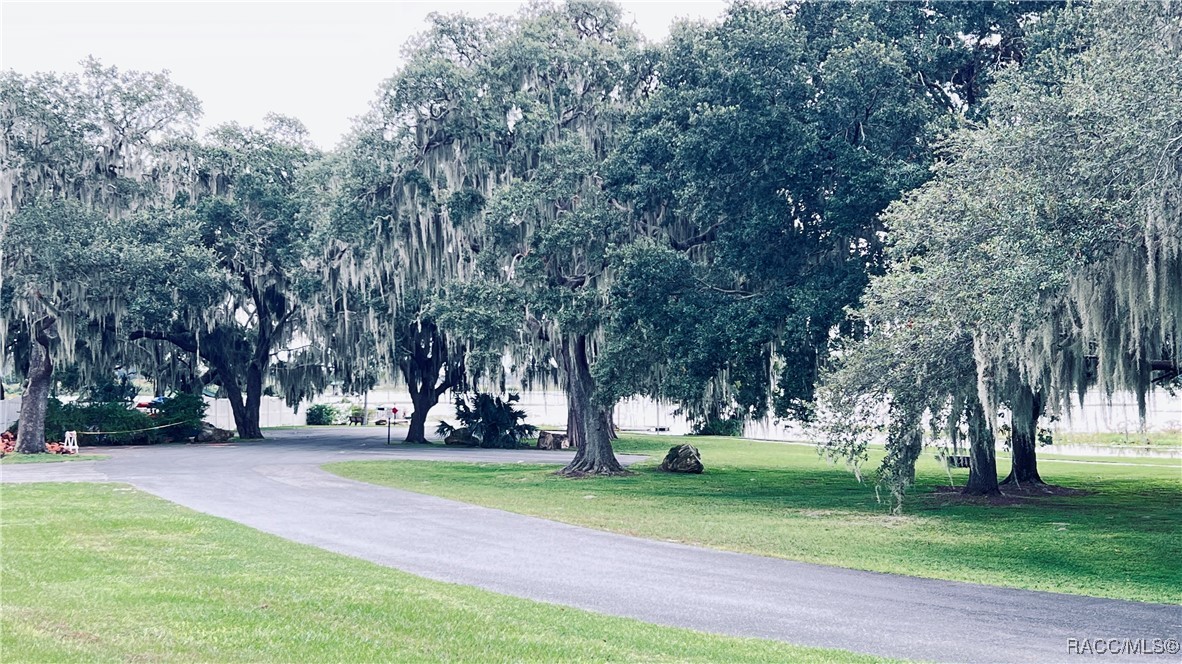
(84, 157)
(940, 210)
(489, 193)
(1042, 258)
(764, 158)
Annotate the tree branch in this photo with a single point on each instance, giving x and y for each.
(705, 236)
(183, 342)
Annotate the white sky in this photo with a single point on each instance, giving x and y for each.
(318, 61)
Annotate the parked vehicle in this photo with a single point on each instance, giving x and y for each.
(386, 413)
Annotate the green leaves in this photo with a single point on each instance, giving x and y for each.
(767, 154)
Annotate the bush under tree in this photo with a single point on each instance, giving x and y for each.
(321, 414)
(491, 420)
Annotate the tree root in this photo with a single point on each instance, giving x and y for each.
(580, 468)
(1011, 481)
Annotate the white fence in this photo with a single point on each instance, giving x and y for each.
(1098, 414)
(10, 410)
(272, 413)
(548, 409)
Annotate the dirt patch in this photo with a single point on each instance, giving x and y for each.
(1010, 494)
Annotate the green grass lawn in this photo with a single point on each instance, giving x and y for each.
(1121, 540)
(11, 459)
(1049, 459)
(1132, 439)
(123, 576)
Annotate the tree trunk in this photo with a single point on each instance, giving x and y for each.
(157, 373)
(594, 455)
(426, 356)
(1026, 410)
(233, 390)
(237, 407)
(575, 427)
(609, 423)
(982, 455)
(248, 427)
(423, 399)
(30, 435)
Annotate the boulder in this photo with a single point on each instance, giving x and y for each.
(682, 459)
(462, 437)
(208, 433)
(548, 440)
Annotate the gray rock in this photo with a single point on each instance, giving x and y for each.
(682, 459)
(462, 437)
(548, 440)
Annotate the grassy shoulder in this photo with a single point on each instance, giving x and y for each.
(124, 576)
(14, 459)
(1118, 540)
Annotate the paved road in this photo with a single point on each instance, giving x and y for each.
(278, 487)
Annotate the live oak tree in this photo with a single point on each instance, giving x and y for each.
(373, 320)
(244, 188)
(759, 166)
(121, 145)
(505, 125)
(1097, 268)
(1050, 236)
(84, 158)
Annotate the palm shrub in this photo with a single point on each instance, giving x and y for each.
(491, 420)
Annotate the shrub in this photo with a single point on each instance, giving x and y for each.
(492, 420)
(185, 411)
(321, 414)
(123, 426)
(111, 390)
(719, 426)
(365, 413)
(105, 416)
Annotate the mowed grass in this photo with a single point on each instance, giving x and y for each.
(14, 459)
(101, 572)
(1121, 540)
(1132, 439)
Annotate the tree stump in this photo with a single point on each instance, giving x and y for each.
(548, 440)
(211, 434)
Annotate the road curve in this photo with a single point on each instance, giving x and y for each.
(278, 487)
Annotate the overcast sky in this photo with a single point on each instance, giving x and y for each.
(318, 61)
